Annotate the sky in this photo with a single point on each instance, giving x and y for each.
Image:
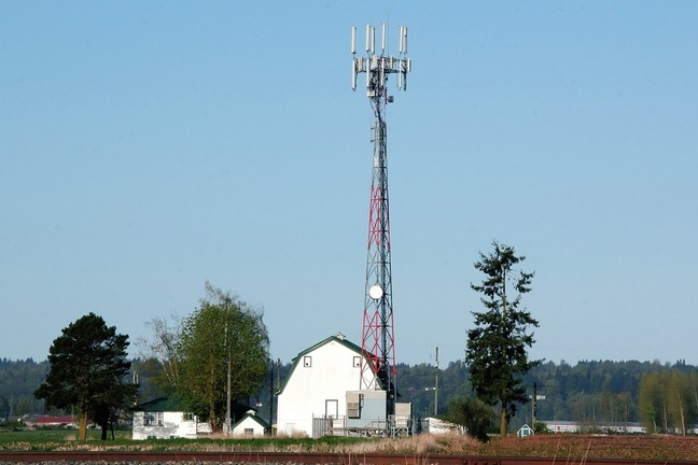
(149, 147)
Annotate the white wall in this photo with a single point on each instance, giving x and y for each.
(173, 425)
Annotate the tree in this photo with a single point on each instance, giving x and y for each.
(4, 409)
(653, 401)
(667, 401)
(161, 356)
(87, 370)
(473, 414)
(497, 347)
(223, 343)
(680, 401)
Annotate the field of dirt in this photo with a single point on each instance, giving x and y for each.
(572, 446)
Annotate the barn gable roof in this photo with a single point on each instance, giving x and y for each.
(339, 338)
(252, 415)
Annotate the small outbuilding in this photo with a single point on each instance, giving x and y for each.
(524, 431)
(436, 426)
(251, 425)
(164, 418)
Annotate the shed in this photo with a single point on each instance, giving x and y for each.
(250, 425)
(164, 418)
(524, 431)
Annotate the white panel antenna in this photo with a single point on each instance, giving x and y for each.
(400, 40)
(368, 38)
(353, 41)
(353, 75)
(403, 40)
(383, 39)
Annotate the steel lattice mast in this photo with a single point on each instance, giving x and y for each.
(378, 366)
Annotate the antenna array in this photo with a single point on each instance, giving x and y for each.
(378, 66)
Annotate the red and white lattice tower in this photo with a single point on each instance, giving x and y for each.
(378, 366)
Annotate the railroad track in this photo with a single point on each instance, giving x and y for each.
(304, 458)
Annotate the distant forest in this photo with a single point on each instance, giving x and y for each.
(591, 392)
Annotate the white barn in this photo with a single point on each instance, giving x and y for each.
(321, 394)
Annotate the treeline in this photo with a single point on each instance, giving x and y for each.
(590, 393)
(662, 396)
(18, 381)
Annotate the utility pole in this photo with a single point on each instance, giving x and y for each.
(436, 385)
(534, 406)
(271, 391)
(227, 400)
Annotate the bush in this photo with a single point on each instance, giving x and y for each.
(541, 428)
(475, 415)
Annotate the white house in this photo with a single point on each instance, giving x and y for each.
(250, 425)
(163, 418)
(322, 396)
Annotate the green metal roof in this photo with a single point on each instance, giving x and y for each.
(254, 416)
(172, 404)
(161, 404)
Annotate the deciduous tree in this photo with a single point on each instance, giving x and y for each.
(224, 336)
(88, 370)
(680, 401)
(161, 355)
(497, 347)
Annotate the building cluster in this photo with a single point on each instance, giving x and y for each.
(320, 396)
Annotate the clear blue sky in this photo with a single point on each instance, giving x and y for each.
(147, 147)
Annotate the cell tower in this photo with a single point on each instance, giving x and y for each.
(378, 369)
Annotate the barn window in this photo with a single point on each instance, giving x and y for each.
(249, 432)
(307, 361)
(357, 361)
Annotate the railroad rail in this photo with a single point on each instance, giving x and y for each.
(269, 458)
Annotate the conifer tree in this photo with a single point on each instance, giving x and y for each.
(497, 347)
(88, 371)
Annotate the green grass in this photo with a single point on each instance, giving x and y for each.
(48, 439)
(66, 439)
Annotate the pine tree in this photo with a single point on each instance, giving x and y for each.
(88, 369)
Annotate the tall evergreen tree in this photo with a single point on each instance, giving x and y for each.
(88, 369)
(497, 347)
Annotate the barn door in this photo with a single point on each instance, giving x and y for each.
(331, 408)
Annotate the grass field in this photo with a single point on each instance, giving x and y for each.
(568, 447)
